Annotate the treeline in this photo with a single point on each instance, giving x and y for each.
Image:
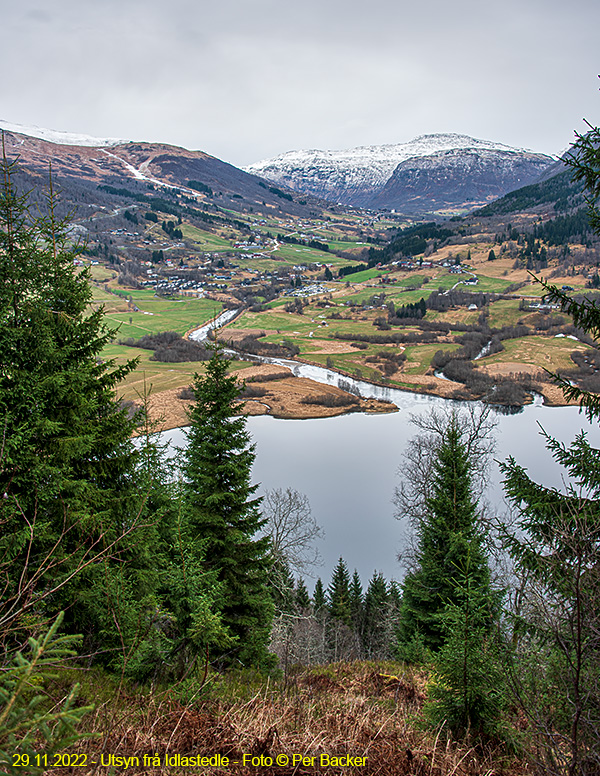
(173, 208)
(559, 190)
(278, 192)
(169, 347)
(351, 269)
(199, 186)
(340, 622)
(316, 244)
(409, 242)
(253, 345)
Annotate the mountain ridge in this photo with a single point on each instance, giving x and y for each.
(358, 176)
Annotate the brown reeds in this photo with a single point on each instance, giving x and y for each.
(359, 709)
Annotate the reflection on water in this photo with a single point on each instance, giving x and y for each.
(349, 465)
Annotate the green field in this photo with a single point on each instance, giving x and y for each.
(154, 313)
(207, 241)
(545, 352)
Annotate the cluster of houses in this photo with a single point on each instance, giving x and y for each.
(311, 290)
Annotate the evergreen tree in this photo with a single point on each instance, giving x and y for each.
(319, 599)
(356, 602)
(67, 464)
(449, 543)
(302, 596)
(467, 692)
(338, 594)
(220, 509)
(557, 547)
(375, 630)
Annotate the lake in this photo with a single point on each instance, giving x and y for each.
(348, 468)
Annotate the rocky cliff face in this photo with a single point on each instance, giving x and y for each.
(444, 170)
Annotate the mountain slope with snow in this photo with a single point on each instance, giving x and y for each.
(60, 137)
(359, 176)
(128, 169)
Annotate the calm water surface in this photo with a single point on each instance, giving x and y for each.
(348, 468)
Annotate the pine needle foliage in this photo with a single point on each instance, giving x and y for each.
(27, 727)
(75, 534)
(450, 545)
(222, 511)
(556, 545)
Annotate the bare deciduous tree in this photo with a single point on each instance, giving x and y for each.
(292, 529)
(476, 426)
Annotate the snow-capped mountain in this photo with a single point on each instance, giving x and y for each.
(60, 137)
(360, 176)
(84, 166)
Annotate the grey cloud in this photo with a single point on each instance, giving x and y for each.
(246, 79)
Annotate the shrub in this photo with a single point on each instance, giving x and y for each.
(330, 399)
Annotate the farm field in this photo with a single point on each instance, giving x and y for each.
(292, 297)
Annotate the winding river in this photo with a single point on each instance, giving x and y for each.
(349, 465)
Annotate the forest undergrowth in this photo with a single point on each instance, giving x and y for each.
(370, 710)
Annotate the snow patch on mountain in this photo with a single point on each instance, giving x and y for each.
(371, 164)
(60, 137)
(351, 175)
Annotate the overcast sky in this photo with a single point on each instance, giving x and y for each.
(245, 80)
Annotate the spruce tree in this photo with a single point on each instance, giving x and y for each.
(221, 510)
(302, 596)
(338, 594)
(450, 542)
(356, 601)
(75, 533)
(556, 546)
(375, 630)
(319, 599)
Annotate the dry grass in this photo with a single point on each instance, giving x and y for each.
(359, 709)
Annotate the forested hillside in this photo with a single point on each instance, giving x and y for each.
(180, 600)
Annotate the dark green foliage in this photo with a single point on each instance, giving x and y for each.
(414, 310)
(338, 594)
(73, 520)
(199, 186)
(556, 546)
(558, 189)
(355, 597)
(586, 316)
(170, 229)
(409, 242)
(467, 690)
(351, 269)
(316, 244)
(221, 510)
(27, 726)
(302, 596)
(450, 544)
(281, 194)
(319, 599)
(375, 631)
(584, 159)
